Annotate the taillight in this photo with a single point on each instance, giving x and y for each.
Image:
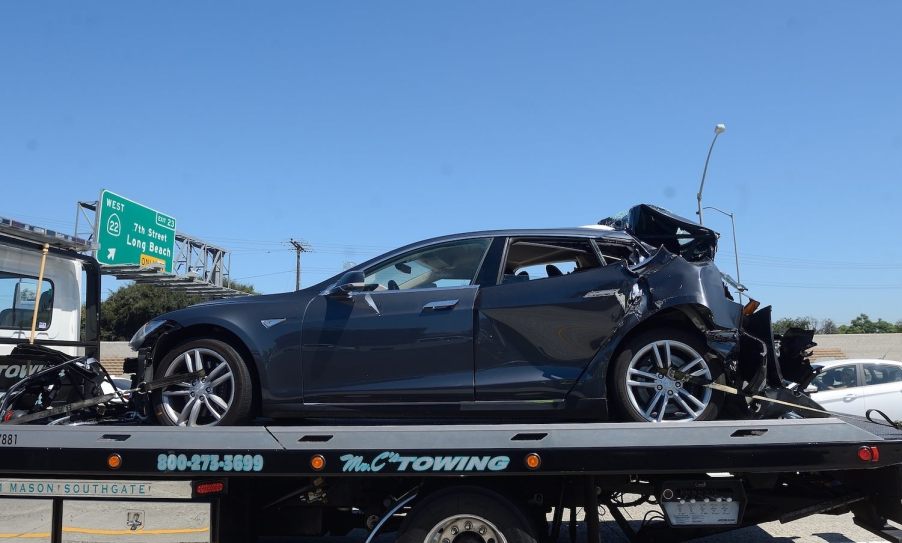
(207, 488)
(868, 454)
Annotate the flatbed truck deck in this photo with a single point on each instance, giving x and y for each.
(447, 483)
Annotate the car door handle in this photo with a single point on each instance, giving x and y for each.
(441, 305)
(849, 397)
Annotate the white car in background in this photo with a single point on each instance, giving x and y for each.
(854, 386)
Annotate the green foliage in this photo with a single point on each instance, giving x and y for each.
(129, 307)
(862, 324)
(828, 327)
(805, 323)
(243, 287)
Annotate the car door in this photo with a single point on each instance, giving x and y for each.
(546, 317)
(409, 340)
(838, 389)
(882, 388)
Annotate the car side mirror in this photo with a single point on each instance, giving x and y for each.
(810, 389)
(353, 281)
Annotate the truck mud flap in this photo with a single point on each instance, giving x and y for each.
(883, 504)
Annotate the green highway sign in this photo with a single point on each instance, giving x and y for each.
(130, 233)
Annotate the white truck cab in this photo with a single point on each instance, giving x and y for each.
(70, 286)
(59, 308)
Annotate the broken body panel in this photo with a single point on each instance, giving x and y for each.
(681, 276)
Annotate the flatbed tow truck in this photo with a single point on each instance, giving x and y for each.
(441, 483)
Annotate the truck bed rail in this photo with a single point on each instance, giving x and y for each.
(422, 450)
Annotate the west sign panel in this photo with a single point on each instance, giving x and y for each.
(130, 233)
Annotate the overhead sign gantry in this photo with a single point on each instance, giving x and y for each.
(131, 233)
(137, 243)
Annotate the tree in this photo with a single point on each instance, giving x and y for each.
(862, 324)
(243, 287)
(805, 323)
(828, 327)
(129, 307)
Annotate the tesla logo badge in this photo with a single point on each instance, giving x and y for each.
(134, 520)
(269, 323)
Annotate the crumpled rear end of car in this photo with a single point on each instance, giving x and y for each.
(768, 373)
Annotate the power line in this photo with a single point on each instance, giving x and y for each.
(263, 275)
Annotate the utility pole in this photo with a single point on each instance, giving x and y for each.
(299, 248)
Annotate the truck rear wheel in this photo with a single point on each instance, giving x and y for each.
(466, 515)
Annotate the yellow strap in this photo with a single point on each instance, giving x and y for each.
(37, 298)
(731, 390)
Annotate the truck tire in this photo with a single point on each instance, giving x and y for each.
(222, 397)
(641, 393)
(466, 515)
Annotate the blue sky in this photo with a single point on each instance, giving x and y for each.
(361, 126)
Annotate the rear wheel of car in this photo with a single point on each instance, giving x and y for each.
(642, 390)
(223, 396)
(466, 515)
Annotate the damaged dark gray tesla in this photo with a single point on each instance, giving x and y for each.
(628, 319)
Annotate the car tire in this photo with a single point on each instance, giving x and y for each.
(224, 396)
(641, 394)
(489, 516)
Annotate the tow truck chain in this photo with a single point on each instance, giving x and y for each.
(142, 388)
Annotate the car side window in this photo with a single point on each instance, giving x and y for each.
(18, 296)
(614, 252)
(440, 266)
(529, 259)
(878, 374)
(836, 378)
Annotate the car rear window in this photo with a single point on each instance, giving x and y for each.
(877, 374)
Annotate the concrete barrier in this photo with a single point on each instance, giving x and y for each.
(885, 346)
(113, 354)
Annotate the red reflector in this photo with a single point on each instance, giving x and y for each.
(8, 416)
(868, 454)
(209, 488)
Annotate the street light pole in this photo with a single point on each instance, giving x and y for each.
(718, 130)
(735, 245)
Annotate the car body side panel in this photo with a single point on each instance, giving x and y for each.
(886, 397)
(390, 346)
(536, 337)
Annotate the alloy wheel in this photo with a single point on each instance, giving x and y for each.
(199, 402)
(657, 397)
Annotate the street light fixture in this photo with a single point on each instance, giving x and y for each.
(719, 129)
(735, 247)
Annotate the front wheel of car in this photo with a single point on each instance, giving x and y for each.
(643, 392)
(223, 396)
